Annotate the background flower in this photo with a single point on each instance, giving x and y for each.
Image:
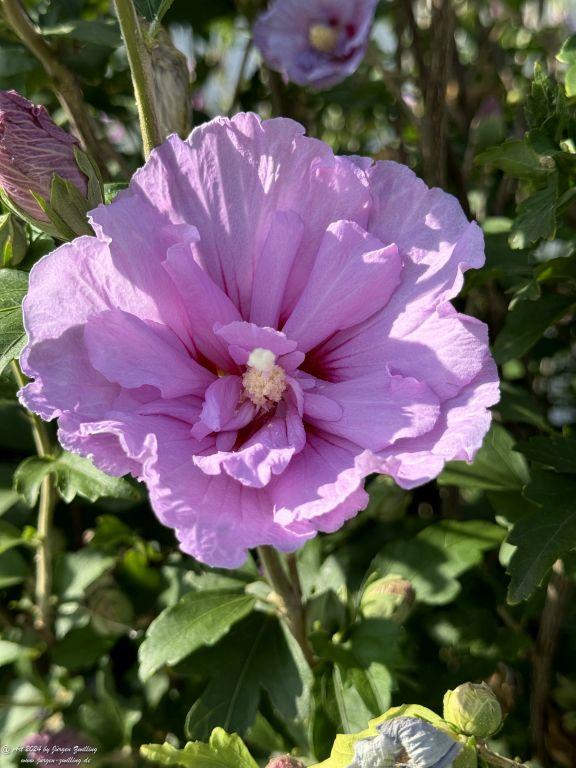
(285, 331)
(317, 44)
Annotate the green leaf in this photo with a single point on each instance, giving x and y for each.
(222, 751)
(96, 32)
(567, 54)
(10, 536)
(11, 652)
(74, 475)
(13, 569)
(76, 571)
(543, 536)
(526, 323)
(570, 81)
(496, 467)
(13, 287)
(257, 654)
(199, 618)
(516, 158)
(556, 452)
(536, 216)
(112, 189)
(434, 559)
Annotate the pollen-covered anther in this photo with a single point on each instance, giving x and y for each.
(323, 38)
(264, 381)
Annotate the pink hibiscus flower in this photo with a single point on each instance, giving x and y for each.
(256, 327)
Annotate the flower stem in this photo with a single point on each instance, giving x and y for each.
(289, 592)
(140, 68)
(494, 759)
(43, 590)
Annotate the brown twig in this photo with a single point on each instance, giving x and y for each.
(63, 81)
(434, 145)
(543, 658)
(494, 759)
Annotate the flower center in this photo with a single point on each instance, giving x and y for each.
(323, 38)
(264, 381)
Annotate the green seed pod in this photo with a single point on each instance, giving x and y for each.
(391, 597)
(473, 709)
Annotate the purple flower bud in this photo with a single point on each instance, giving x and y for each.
(32, 149)
(53, 749)
(285, 762)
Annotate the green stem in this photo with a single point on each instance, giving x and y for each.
(140, 68)
(289, 593)
(43, 590)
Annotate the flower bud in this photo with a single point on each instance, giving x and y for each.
(391, 597)
(285, 762)
(44, 175)
(13, 242)
(473, 709)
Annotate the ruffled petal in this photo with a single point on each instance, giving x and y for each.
(133, 353)
(353, 277)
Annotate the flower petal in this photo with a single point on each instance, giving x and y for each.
(353, 277)
(133, 353)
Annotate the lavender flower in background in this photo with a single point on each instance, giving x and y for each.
(32, 149)
(257, 326)
(406, 741)
(315, 43)
(50, 750)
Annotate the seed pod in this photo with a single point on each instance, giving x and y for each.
(391, 597)
(473, 709)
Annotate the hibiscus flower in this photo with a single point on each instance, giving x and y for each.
(256, 327)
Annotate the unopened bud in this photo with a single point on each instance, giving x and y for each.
(13, 242)
(285, 762)
(473, 709)
(391, 597)
(45, 177)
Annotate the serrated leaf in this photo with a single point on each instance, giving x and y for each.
(256, 654)
(496, 467)
(516, 158)
(434, 559)
(526, 322)
(199, 618)
(13, 288)
(74, 475)
(222, 751)
(536, 216)
(543, 536)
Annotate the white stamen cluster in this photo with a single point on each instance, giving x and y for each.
(264, 381)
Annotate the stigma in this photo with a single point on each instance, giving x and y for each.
(264, 382)
(323, 38)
